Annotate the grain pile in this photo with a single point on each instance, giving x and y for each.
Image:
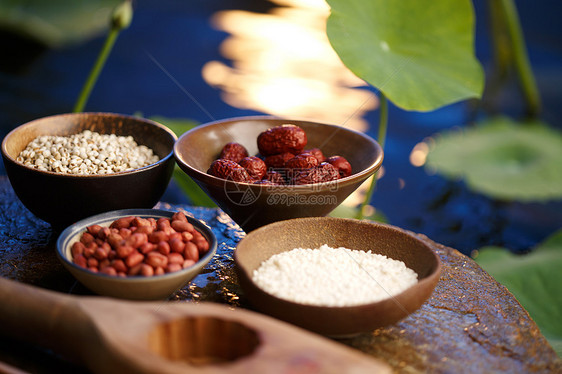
(333, 277)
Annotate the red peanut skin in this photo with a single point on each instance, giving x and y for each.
(175, 258)
(191, 252)
(177, 245)
(156, 259)
(134, 258)
(178, 216)
(181, 226)
(146, 270)
(170, 268)
(163, 247)
(77, 249)
(129, 250)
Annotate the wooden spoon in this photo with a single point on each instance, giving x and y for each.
(113, 336)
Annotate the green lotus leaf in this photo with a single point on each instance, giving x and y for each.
(56, 23)
(502, 159)
(534, 279)
(420, 54)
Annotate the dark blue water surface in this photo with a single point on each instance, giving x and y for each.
(178, 35)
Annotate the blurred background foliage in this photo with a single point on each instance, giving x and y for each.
(421, 57)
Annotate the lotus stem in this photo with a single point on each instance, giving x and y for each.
(381, 138)
(521, 58)
(121, 19)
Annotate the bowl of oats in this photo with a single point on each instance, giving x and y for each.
(68, 167)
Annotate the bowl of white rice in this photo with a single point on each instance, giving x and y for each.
(68, 167)
(335, 276)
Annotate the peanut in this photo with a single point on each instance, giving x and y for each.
(124, 251)
(181, 226)
(87, 238)
(147, 247)
(94, 229)
(77, 249)
(186, 236)
(163, 247)
(156, 259)
(134, 258)
(158, 236)
(191, 252)
(137, 239)
(80, 260)
(177, 245)
(100, 253)
(119, 265)
(103, 233)
(124, 222)
(175, 258)
(179, 216)
(133, 246)
(146, 270)
(173, 267)
(108, 270)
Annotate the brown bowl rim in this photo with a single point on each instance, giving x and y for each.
(90, 176)
(207, 178)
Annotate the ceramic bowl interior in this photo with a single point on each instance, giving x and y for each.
(62, 199)
(252, 205)
(158, 287)
(395, 243)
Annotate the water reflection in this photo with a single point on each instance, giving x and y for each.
(283, 64)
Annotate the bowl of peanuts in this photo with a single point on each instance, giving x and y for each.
(262, 169)
(136, 254)
(68, 167)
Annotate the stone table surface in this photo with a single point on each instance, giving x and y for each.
(471, 324)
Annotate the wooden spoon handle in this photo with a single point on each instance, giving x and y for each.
(42, 317)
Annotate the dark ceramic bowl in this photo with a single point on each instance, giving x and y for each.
(62, 199)
(157, 287)
(395, 243)
(252, 205)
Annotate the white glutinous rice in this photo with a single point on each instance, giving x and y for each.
(333, 277)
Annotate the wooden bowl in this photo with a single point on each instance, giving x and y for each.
(261, 244)
(252, 205)
(62, 199)
(157, 287)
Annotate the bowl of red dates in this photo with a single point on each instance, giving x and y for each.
(136, 254)
(262, 169)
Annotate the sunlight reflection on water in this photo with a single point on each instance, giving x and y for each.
(283, 65)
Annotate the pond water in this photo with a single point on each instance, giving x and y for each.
(206, 60)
